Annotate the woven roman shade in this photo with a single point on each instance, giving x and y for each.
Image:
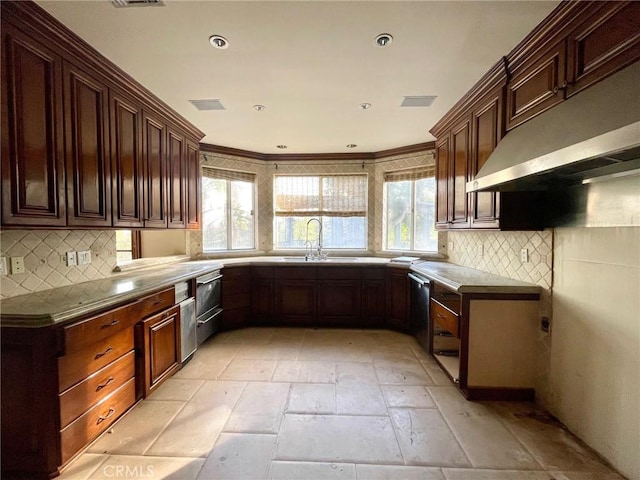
(410, 174)
(324, 195)
(221, 174)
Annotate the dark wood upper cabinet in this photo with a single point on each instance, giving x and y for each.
(32, 133)
(452, 172)
(607, 41)
(155, 172)
(126, 161)
(87, 149)
(442, 182)
(459, 175)
(176, 175)
(487, 128)
(537, 85)
(193, 194)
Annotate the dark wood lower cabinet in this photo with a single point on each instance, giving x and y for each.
(338, 303)
(262, 294)
(236, 297)
(158, 347)
(398, 299)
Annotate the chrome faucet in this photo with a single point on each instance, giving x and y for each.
(309, 246)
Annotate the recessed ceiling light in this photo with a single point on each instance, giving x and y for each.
(218, 41)
(365, 106)
(282, 147)
(384, 40)
(352, 145)
(259, 108)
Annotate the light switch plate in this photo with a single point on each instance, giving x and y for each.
(84, 257)
(71, 259)
(4, 269)
(17, 265)
(524, 255)
(480, 250)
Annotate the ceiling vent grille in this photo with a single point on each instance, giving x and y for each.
(207, 104)
(423, 101)
(137, 3)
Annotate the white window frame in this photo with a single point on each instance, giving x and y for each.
(412, 175)
(228, 182)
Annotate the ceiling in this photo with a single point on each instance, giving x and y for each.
(310, 63)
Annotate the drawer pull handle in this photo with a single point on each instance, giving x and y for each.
(112, 324)
(109, 414)
(102, 385)
(158, 302)
(439, 315)
(102, 354)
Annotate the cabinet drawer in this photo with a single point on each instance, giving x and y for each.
(446, 318)
(154, 303)
(79, 433)
(236, 272)
(93, 329)
(78, 365)
(77, 400)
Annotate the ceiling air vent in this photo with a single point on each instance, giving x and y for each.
(207, 104)
(424, 101)
(137, 3)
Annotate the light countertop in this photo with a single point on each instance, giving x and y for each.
(64, 304)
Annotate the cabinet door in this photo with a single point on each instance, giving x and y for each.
(193, 202)
(159, 343)
(262, 291)
(458, 175)
(87, 150)
(398, 299)
(126, 161)
(338, 302)
(373, 303)
(295, 301)
(155, 173)
(606, 42)
(537, 86)
(176, 174)
(486, 132)
(32, 141)
(442, 182)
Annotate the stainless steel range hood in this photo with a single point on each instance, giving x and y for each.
(593, 134)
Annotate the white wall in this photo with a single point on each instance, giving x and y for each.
(162, 243)
(595, 354)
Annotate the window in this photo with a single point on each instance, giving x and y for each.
(127, 245)
(409, 206)
(228, 221)
(338, 201)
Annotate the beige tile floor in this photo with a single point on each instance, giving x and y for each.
(328, 404)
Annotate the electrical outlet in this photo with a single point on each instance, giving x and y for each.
(4, 269)
(17, 265)
(84, 257)
(451, 246)
(480, 250)
(524, 255)
(71, 259)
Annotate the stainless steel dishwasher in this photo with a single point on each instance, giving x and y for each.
(187, 302)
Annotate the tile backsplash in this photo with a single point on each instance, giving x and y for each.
(43, 252)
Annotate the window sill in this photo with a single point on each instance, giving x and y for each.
(421, 255)
(129, 265)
